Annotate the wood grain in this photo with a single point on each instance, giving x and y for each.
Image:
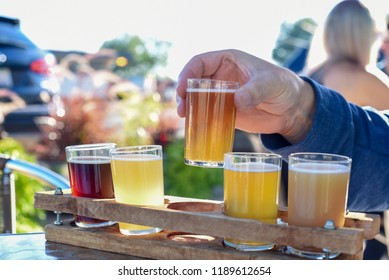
(158, 245)
(206, 217)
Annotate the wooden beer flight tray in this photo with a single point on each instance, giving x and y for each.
(194, 229)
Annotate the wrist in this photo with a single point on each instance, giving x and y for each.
(301, 121)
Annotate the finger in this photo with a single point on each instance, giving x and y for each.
(268, 85)
(249, 95)
(181, 108)
(200, 66)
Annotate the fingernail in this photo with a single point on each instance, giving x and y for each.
(239, 102)
(178, 100)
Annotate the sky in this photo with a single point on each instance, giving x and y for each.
(191, 26)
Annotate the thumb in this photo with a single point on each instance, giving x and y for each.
(248, 96)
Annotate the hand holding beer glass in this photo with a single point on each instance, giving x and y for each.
(209, 121)
(251, 188)
(138, 179)
(90, 176)
(317, 192)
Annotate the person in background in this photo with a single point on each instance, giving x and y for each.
(384, 63)
(294, 114)
(351, 41)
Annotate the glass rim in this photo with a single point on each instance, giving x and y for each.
(227, 82)
(253, 154)
(334, 157)
(92, 146)
(134, 149)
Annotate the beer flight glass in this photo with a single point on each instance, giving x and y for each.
(137, 174)
(209, 121)
(90, 176)
(251, 188)
(317, 192)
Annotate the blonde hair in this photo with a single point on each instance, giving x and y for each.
(350, 33)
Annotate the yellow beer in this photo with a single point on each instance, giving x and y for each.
(251, 192)
(138, 180)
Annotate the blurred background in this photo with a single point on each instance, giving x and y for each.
(74, 72)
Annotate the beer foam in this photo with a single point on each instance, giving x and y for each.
(322, 168)
(136, 157)
(254, 167)
(89, 160)
(221, 90)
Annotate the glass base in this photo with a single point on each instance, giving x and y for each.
(249, 246)
(211, 164)
(315, 255)
(94, 225)
(134, 229)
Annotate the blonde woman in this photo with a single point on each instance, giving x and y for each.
(350, 40)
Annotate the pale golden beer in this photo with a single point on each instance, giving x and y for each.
(317, 191)
(251, 187)
(209, 122)
(137, 174)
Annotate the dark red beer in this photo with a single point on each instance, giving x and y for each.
(90, 177)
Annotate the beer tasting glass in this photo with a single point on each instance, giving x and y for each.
(251, 188)
(209, 121)
(137, 174)
(317, 192)
(90, 176)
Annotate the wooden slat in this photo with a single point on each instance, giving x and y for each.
(205, 217)
(370, 223)
(158, 246)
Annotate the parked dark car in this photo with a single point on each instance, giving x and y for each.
(26, 70)
(24, 67)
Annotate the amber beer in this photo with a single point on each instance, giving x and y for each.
(90, 176)
(138, 180)
(317, 193)
(251, 187)
(210, 121)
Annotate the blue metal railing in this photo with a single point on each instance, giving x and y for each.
(8, 165)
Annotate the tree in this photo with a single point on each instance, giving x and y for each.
(136, 57)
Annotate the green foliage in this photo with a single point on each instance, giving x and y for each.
(140, 116)
(188, 181)
(142, 56)
(28, 218)
(292, 36)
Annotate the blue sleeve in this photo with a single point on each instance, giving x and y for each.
(346, 129)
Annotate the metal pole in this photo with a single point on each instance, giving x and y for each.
(7, 186)
(8, 195)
